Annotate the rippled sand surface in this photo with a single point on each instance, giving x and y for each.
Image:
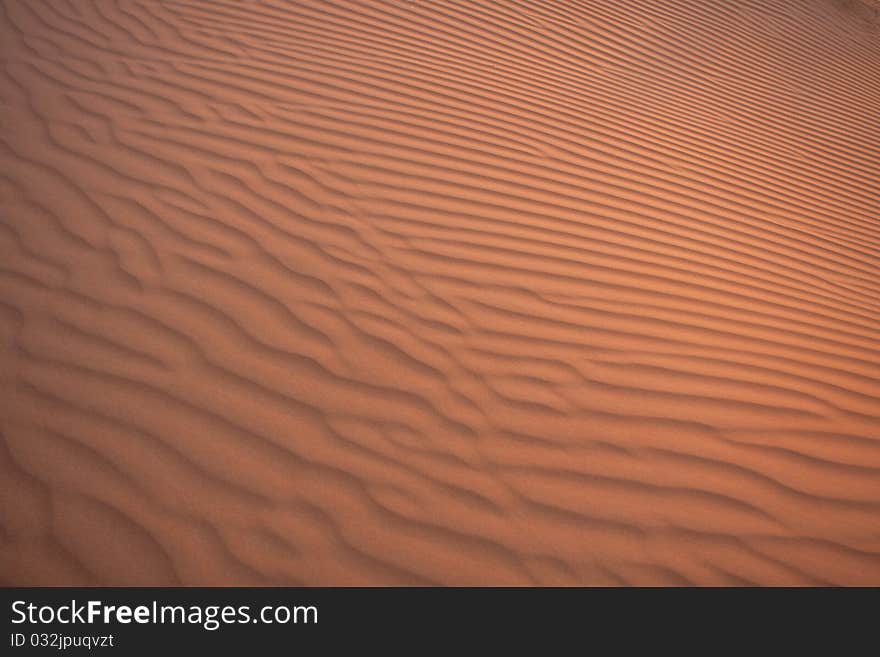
(439, 292)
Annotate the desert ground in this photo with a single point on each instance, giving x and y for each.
(439, 292)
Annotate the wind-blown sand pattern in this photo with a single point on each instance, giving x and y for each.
(440, 292)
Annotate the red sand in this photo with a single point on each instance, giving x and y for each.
(439, 292)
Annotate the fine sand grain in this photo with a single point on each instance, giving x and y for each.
(376, 292)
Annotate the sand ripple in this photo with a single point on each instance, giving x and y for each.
(439, 292)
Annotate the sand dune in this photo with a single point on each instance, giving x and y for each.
(439, 292)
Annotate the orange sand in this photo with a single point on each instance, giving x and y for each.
(439, 292)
